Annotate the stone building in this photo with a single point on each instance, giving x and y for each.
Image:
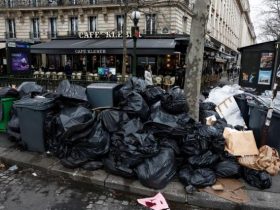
(164, 27)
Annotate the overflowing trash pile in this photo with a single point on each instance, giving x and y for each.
(150, 136)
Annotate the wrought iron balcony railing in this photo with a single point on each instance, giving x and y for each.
(34, 35)
(55, 3)
(10, 35)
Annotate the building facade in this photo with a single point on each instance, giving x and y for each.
(230, 27)
(40, 21)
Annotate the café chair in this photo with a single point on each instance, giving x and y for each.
(73, 76)
(48, 75)
(172, 81)
(79, 75)
(60, 75)
(36, 74)
(54, 75)
(95, 77)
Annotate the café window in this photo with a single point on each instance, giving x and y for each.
(52, 27)
(151, 24)
(73, 26)
(11, 28)
(120, 22)
(35, 28)
(92, 24)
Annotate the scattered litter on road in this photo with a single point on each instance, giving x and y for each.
(13, 168)
(34, 174)
(157, 202)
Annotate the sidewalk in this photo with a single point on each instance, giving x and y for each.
(175, 192)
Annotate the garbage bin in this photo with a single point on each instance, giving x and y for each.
(256, 122)
(243, 106)
(103, 94)
(31, 113)
(6, 106)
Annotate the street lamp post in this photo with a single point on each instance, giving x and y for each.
(135, 32)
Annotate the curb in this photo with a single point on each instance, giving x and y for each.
(174, 191)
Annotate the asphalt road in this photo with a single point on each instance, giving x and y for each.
(34, 190)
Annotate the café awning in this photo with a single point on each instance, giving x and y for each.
(105, 46)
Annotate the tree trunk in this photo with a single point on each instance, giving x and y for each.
(194, 56)
(124, 45)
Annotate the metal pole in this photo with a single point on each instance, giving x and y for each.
(276, 63)
(134, 56)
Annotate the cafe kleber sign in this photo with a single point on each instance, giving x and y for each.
(100, 35)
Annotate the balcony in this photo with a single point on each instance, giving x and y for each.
(52, 34)
(55, 3)
(34, 35)
(10, 35)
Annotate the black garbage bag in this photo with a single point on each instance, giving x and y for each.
(170, 143)
(153, 94)
(228, 169)
(29, 88)
(161, 130)
(75, 123)
(112, 166)
(209, 106)
(132, 126)
(209, 131)
(174, 101)
(193, 144)
(92, 165)
(74, 159)
(8, 92)
(205, 160)
(133, 84)
(71, 91)
(199, 178)
(217, 145)
(259, 179)
(136, 106)
(98, 143)
(112, 119)
(159, 115)
(132, 149)
(157, 172)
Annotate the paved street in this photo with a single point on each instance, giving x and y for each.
(21, 190)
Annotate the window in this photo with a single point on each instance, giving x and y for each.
(33, 3)
(185, 24)
(151, 24)
(35, 28)
(73, 26)
(120, 22)
(73, 2)
(11, 28)
(93, 1)
(9, 3)
(52, 27)
(92, 22)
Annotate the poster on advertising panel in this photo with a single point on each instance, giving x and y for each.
(20, 61)
(266, 60)
(265, 77)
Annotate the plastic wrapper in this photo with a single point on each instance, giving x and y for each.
(29, 88)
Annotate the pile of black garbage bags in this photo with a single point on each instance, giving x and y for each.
(149, 136)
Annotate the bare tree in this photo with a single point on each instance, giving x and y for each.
(271, 26)
(194, 56)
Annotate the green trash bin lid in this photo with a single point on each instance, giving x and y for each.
(39, 104)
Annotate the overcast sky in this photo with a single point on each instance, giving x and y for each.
(257, 6)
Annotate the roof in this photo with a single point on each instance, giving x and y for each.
(256, 45)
